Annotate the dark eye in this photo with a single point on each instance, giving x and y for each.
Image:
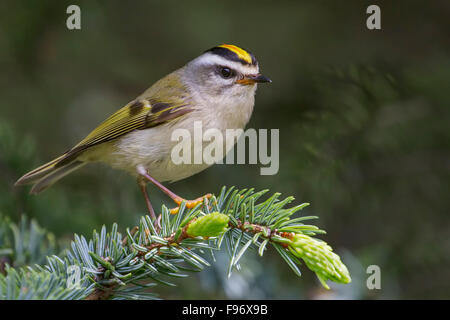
(226, 72)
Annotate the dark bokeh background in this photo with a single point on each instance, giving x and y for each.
(363, 117)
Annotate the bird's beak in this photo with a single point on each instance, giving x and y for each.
(253, 78)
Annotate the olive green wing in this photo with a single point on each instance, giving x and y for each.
(137, 115)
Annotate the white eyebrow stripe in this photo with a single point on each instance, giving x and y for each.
(213, 59)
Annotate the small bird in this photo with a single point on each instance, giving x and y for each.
(217, 88)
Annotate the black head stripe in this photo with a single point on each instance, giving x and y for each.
(232, 56)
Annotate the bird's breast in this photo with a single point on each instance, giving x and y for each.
(155, 148)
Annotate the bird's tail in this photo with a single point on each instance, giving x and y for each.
(47, 174)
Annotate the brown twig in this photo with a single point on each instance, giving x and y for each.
(101, 293)
(256, 228)
(170, 240)
(107, 291)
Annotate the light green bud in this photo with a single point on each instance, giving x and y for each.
(320, 258)
(210, 225)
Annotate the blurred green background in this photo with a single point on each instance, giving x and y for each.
(363, 116)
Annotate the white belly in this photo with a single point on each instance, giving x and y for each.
(152, 149)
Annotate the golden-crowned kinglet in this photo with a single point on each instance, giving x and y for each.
(217, 89)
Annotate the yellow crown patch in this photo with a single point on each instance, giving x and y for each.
(241, 53)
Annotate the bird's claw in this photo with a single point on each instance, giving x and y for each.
(189, 203)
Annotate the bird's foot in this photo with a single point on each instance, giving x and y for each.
(189, 203)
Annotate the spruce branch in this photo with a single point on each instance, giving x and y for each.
(27, 283)
(115, 266)
(271, 223)
(24, 243)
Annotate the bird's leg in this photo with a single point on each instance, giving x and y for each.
(143, 186)
(177, 199)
